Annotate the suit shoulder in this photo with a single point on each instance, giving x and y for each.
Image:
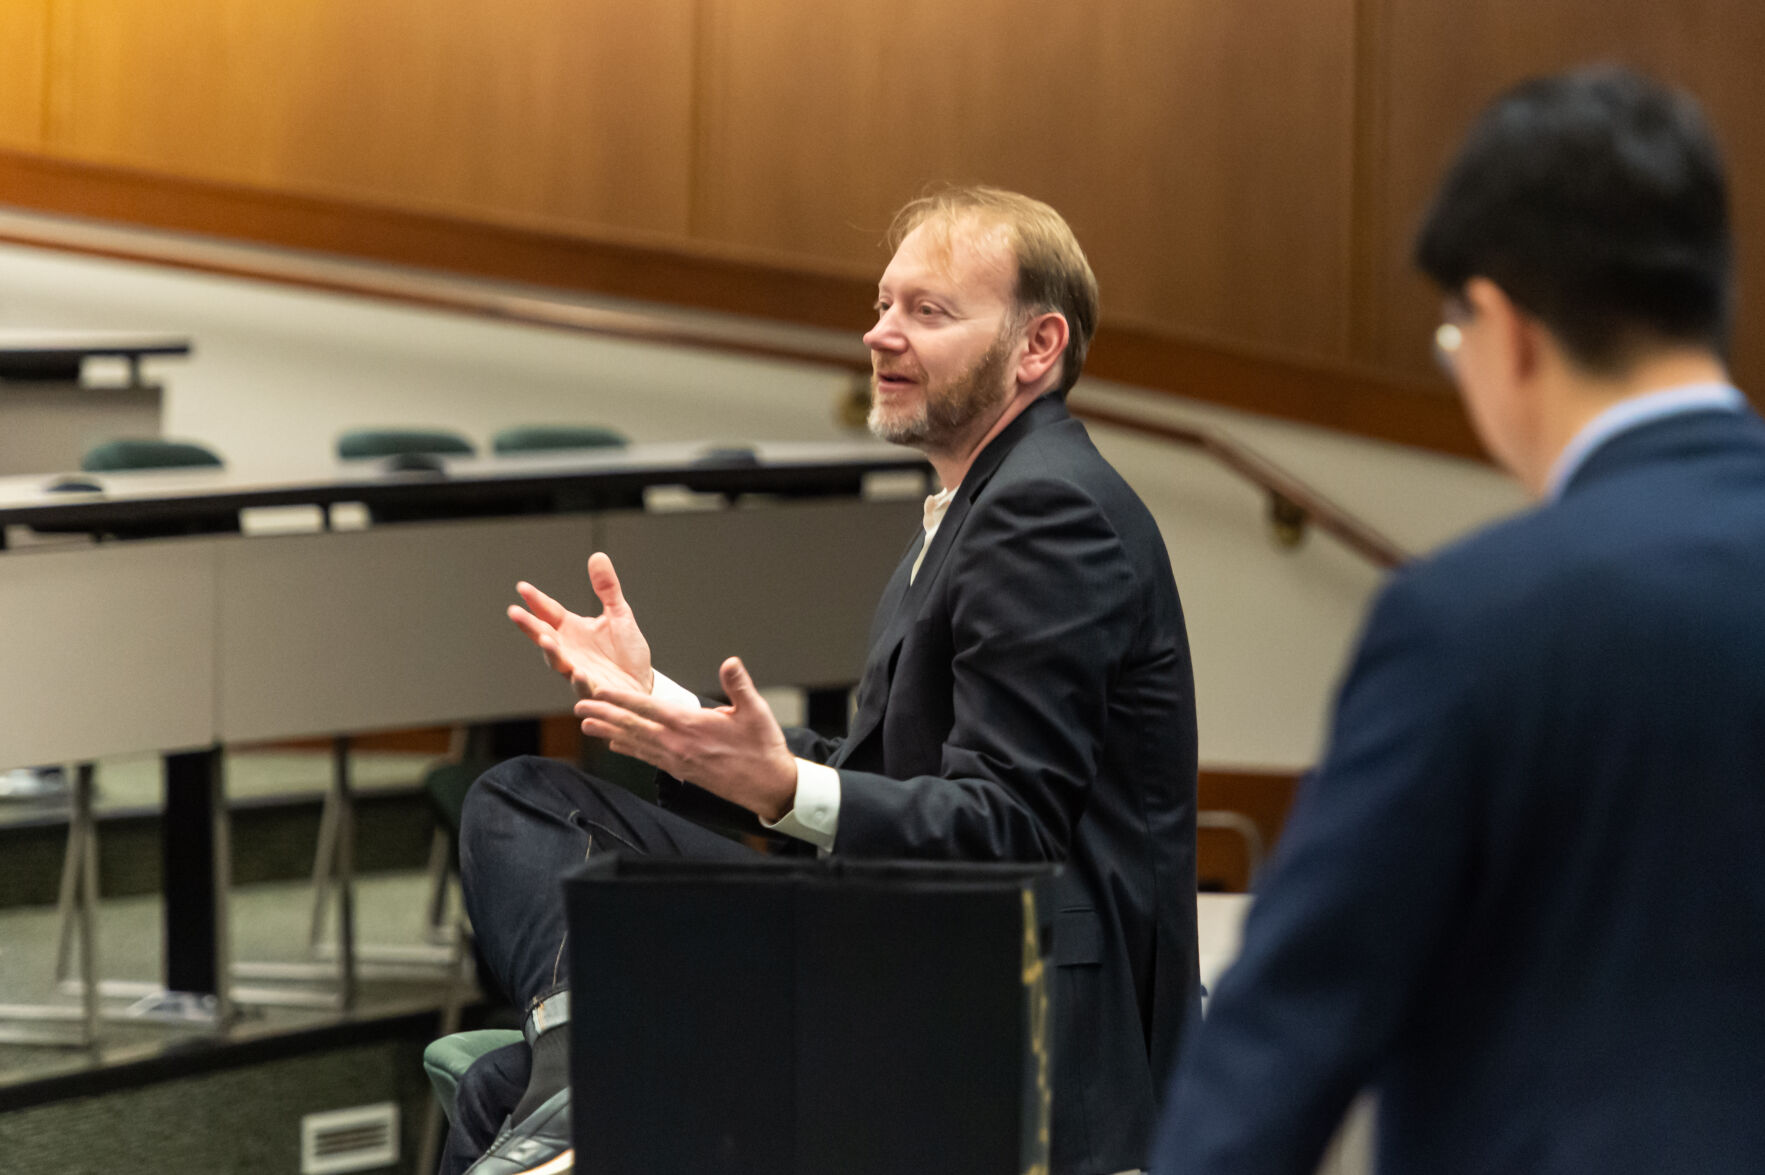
(1056, 482)
(1494, 568)
(1061, 459)
(1063, 445)
(1590, 562)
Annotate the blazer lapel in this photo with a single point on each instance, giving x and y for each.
(890, 604)
(887, 629)
(1042, 412)
(902, 599)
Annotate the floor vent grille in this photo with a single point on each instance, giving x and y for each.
(361, 1138)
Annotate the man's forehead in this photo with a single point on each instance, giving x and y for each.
(967, 252)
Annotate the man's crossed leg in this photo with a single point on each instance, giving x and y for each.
(526, 824)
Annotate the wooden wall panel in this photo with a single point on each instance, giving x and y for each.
(818, 121)
(1446, 59)
(24, 31)
(1246, 177)
(1227, 131)
(1201, 151)
(568, 113)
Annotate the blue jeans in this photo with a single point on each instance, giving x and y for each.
(526, 823)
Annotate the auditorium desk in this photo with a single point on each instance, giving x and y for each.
(181, 645)
(50, 415)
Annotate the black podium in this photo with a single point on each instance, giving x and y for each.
(809, 1017)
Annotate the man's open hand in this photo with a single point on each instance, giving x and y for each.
(600, 652)
(735, 751)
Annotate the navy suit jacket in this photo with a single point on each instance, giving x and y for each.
(1523, 897)
(1028, 697)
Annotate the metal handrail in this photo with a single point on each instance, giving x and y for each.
(1292, 503)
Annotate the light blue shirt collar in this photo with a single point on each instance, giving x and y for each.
(1633, 413)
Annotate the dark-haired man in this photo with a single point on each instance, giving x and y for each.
(1523, 896)
(1027, 697)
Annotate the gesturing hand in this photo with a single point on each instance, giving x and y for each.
(735, 751)
(600, 652)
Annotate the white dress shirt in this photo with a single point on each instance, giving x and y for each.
(1634, 413)
(815, 814)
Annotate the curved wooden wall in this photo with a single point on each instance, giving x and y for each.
(1244, 176)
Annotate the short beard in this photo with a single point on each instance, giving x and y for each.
(948, 409)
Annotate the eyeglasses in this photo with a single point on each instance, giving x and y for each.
(1449, 336)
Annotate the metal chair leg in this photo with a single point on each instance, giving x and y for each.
(333, 873)
(346, 975)
(153, 1004)
(429, 1154)
(324, 866)
(462, 979)
(44, 1023)
(83, 776)
(79, 842)
(436, 926)
(338, 957)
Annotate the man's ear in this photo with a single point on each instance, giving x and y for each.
(1516, 335)
(1044, 347)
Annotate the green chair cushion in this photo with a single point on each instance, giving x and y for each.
(446, 1060)
(146, 453)
(447, 785)
(538, 438)
(394, 442)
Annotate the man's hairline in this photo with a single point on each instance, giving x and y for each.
(1018, 312)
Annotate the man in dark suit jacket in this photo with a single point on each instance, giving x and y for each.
(1027, 695)
(1523, 896)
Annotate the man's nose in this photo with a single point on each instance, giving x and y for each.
(886, 334)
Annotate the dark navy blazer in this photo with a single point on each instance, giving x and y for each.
(1028, 697)
(1523, 897)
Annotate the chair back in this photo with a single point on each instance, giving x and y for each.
(361, 443)
(542, 438)
(125, 453)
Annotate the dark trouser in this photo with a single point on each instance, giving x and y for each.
(487, 1093)
(526, 823)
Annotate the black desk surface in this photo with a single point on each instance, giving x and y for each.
(33, 354)
(528, 483)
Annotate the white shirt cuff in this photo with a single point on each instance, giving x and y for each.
(816, 816)
(671, 693)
